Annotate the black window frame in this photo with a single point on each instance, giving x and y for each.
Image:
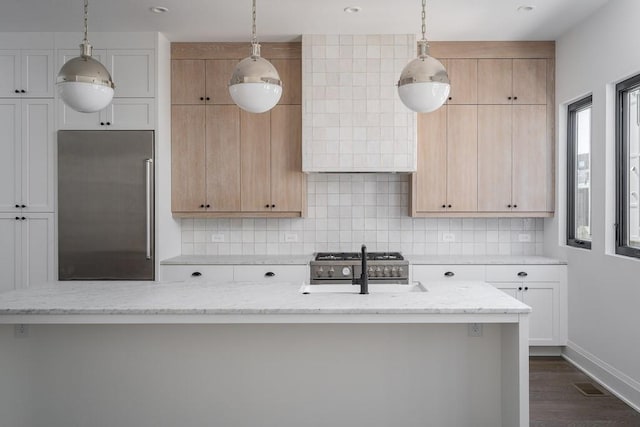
(572, 109)
(622, 153)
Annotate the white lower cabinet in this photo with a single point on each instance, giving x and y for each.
(430, 273)
(237, 273)
(543, 288)
(26, 249)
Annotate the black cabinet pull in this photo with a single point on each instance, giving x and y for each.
(208, 205)
(23, 206)
(448, 206)
(444, 206)
(515, 97)
(108, 123)
(196, 274)
(520, 288)
(266, 206)
(449, 274)
(16, 91)
(450, 98)
(273, 206)
(101, 123)
(202, 206)
(23, 91)
(522, 274)
(23, 218)
(18, 206)
(269, 274)
(508, 206)
(515, 206)
(17, 218)
(509, 98)
(202, 98)
(208, 99)
(526, 288)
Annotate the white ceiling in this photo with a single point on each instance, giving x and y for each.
(285, 20)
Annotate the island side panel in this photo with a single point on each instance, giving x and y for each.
(515, 373)
(268, 375)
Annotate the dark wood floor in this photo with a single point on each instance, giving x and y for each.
(555, 402)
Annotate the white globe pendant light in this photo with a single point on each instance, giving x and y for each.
(424, 84)
(255, 85)
(83, 83)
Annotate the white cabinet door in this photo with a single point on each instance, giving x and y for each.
(70, 119)
(26, 73)
(544, 320)
(273, 273)
(38, 75)
(38, 249)
(10, 158)
(131, 114)
(10, 253)
(133, 72)
(10, 72)
(38, 156)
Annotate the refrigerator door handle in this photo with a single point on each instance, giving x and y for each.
(148, 163)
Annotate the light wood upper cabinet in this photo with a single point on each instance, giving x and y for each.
(494, 158)
(223, 158)
(287, 182)
(188, 169)
(187, 81)
(228, 162)
(531, 174)
(463, 75)
(256, 161)
(446, 180)
(462, 158)
(512, 81)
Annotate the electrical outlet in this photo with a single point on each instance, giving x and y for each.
(217, 238)
(524, 237)
(475, 329)
(448, 237)
(20, 331)
(290, 237)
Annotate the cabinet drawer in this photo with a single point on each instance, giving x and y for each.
(524, 273)
(180, 273)
(276, 273)
(425, 273)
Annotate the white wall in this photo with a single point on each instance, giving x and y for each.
(604, 289)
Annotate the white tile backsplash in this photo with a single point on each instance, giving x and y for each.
(346, 210)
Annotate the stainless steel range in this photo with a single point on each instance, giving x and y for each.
(344, 267)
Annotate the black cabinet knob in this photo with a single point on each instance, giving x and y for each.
(269, 274)
(444, 206)
(208, 99)
(508, 206)
(108, 123)
(448, 206)
(509, 98)
(23, 218)
(202, 98)
(16, 91)
(273, 206)
(208, 205)
(266, 206)
(18, 206)
(202, 206)
(520, 288)
(515, 206)
(449, 274)
(17, 218)
(515, 97)
(101, 123)
(526, 288)
(450, 98)
(23, 206)
(23, 91)
(196, 274)
(522, 274)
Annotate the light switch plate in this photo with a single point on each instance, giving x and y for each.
(448, 237)
(290, 237)
(524, 237)
(217, 237)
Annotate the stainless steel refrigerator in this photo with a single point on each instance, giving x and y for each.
(105, 205)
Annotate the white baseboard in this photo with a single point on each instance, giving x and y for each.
(616, 382)
(545, 351)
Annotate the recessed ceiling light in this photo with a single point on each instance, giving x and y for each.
(159, 9)
(526, 8)
(352, 9)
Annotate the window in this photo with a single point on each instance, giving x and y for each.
(579, 174)
(628, 167)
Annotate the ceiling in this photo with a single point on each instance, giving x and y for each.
(286, 20)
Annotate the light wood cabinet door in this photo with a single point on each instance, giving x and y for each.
(287, 178)
(494, 158)
(462, 158)
(188, 158)
(430, 181)
(496, 76)
(531, 167)
(290, 71)
(223, 158)
(217, 79)
(187, 81)
(530, 81)
(255, 153)
(463, 75)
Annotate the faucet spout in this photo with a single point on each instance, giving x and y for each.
(364, 275)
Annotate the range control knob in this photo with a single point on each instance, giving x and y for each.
(330, 272)
(378, 272)
(394, 271)
(386, 272)
(346, 271)
(370, 271)
(319, 271)
(400, 271)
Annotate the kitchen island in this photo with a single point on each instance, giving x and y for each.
(248, 354)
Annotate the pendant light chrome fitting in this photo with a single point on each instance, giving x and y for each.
(255, 84)
(84, 84)
(424, 84)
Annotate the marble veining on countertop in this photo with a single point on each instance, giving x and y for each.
(482, 259)
(246, 298)
(238, 260)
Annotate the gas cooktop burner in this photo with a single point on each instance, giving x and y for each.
(349, 256)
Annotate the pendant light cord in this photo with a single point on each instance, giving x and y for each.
(424, 19)
(86, 20)
(254, 37)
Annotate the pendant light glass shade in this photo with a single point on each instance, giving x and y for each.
(83, 83)
(424, 84)
(255, 85)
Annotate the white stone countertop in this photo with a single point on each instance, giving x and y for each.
(238, 260)
(481, 260)
(246, 298)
